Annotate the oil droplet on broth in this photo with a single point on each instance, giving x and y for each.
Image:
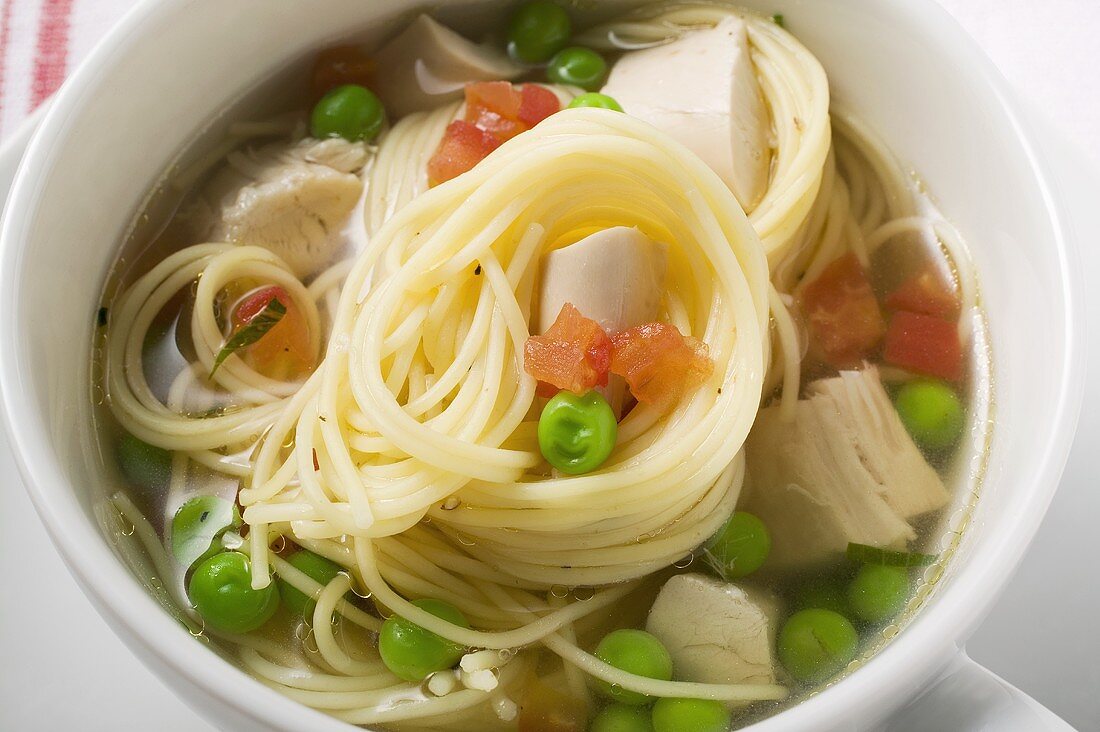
(584, 594)
(465, 540)
(684, 562)
(559, 591)
(310, 643)
(199, 629)
(890, 631)
(125, 526)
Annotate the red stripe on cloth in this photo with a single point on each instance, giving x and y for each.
(5, 37)
(52, 49)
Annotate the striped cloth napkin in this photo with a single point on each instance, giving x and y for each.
(41, 41)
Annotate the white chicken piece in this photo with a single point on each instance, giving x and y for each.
(904, 479)
(291, 200)
(716, 633)
(428, 64)
(702, 90)
(614, 277)
(843, 470)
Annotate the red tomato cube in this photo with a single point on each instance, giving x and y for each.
(537, 104)
(574, 353)
(925, 293)
(284, 351)
(497, 96)
(842, 314)
(338, 66)
(660, 364)
(463, 146)
(925, 344)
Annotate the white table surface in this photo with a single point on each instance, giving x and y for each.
(64, 669)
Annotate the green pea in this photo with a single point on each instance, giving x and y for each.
(878, 592)
(690, 715)
(577, 433)
(143, 464)
(741, 546)
(827, 594)
(932, 413)
(317, 568)
(816, 644)
(197, 526)
(597, 100)
(578, 66)
(411, 652)
(636, 652)
(621, 718)
(221, 591)
(351, 111)
(538, 30)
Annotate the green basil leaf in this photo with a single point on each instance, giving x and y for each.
(253, 331)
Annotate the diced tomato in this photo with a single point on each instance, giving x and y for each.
(537, 104)
(495, 112)
(925, 293)
(503, 128)
(925, 344)
(498, 96)
(338, 66)
(659, 364)
(494, 106)
(843, 316)
(463, 146)
(573, 354)
(284, 351)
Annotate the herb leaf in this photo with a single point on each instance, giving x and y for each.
(779, 20)
(253, 331)
(865, 554)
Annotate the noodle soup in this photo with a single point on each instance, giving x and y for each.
(597, 376)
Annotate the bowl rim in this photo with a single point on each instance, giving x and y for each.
(907, 662)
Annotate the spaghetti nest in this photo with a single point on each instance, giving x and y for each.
(421, 410)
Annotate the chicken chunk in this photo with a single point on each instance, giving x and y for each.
(614, 277)
(291, 199)
(428, 64)
(843, 470)
(702, 89)
(716, 633)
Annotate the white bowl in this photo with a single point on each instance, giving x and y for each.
(171, 66)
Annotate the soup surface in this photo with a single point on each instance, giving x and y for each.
(589, 376)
